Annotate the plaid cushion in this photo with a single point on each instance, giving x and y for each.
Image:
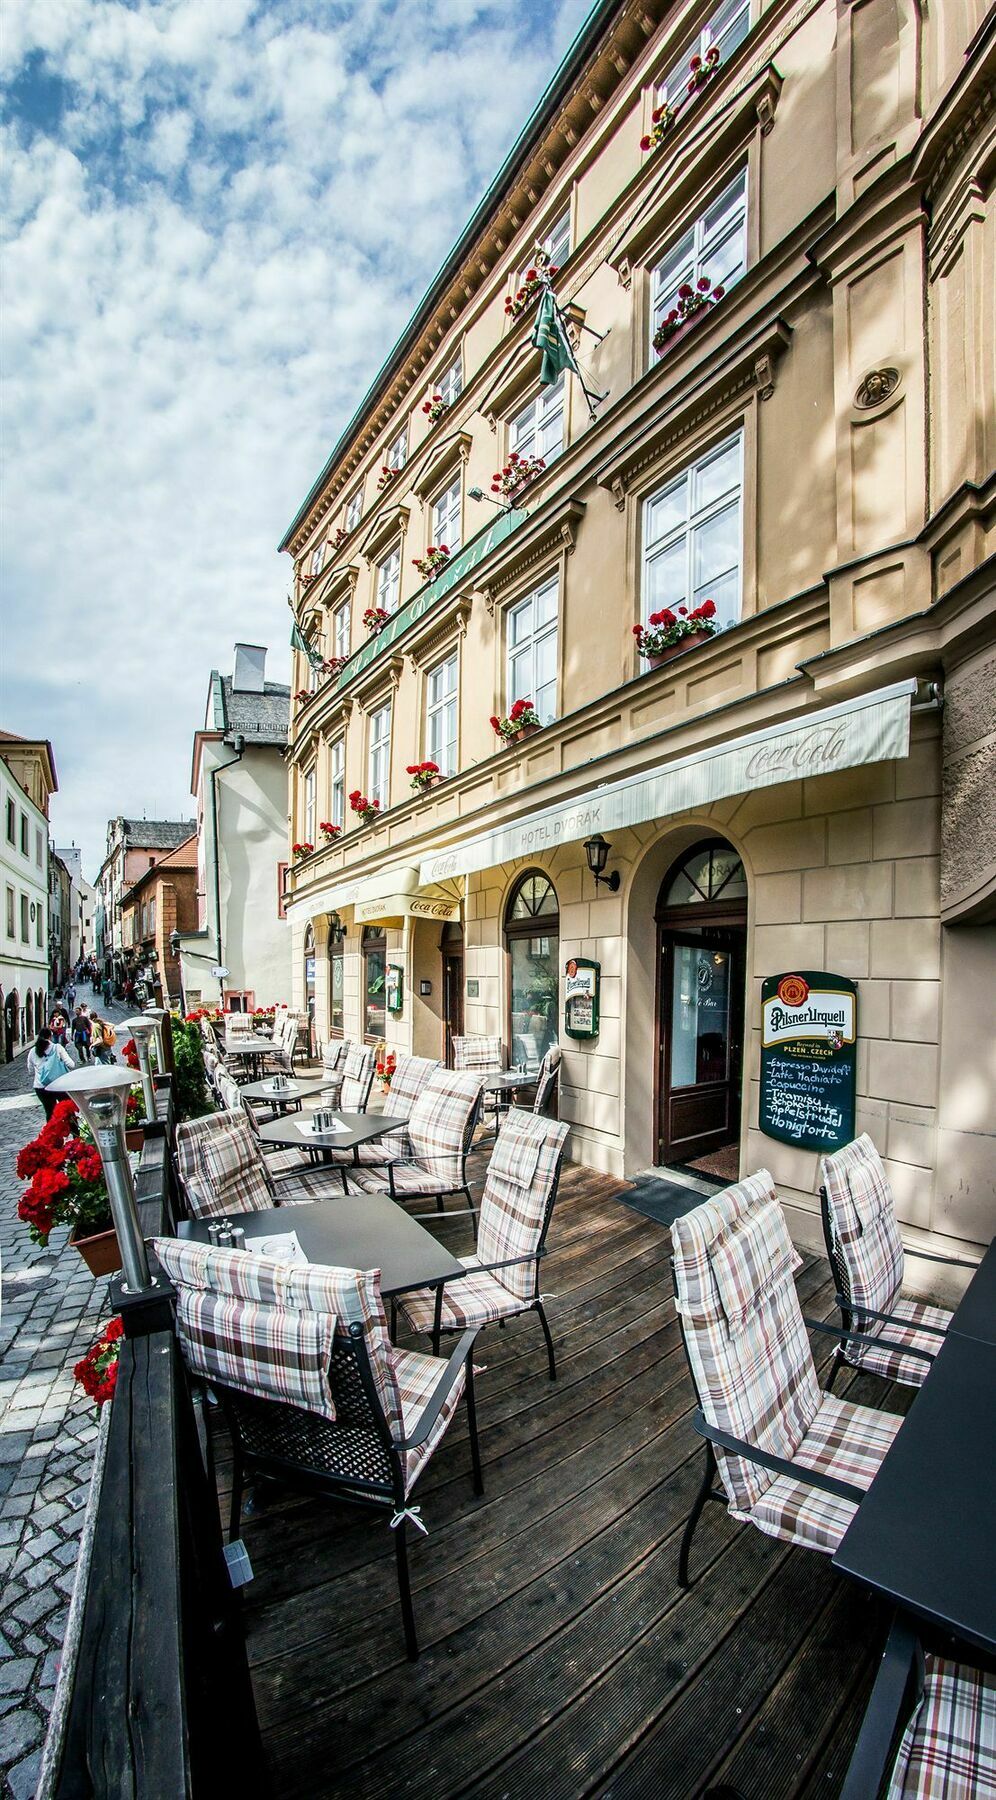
(760, 1383)
(440, 1124)
(752, 1261)
(220, 1167)
(515, 1213)
(884, 1359)
(334, 1054)
(243, 1350)
(409, 1179)
(845, 1441)
(314, 1180)
(481, 1053)
(864, 1227)
(546, 1080)
(229, 1092)
(480, 1300)
(239, 1024)
(948, 1750)
(357, 1078)
(416, 1377)
(410, 1076)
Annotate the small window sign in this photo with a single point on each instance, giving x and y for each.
(582, 981)
(395, 987)
(473, 990)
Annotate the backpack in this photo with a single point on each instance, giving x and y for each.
(50, 1066)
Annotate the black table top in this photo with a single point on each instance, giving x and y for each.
(294, 1089)
(975, 1315)
(368, 1231)
(360, 1128)
(500, 1081)
(248, 1044)
(925, 1531)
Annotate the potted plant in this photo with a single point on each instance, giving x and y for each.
(668, 633)
(329, 831)
(386, 1066)
(534, 281)
(302, 696)
(365, 810)
(97, 1371)
(67, 1187)
(375, 618)
(300, 850)
(423, 774)
(385, 477)
(692, 303)
(702, 69)
(520, 722)
(509, 483)
(340, 538)
(333, 666)
(661, 120)
(433, 562)
(135, 1105)
(436, 408)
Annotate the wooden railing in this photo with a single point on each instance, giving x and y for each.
(158, 1703)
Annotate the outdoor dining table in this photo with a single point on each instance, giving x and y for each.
(290, 1093)
(251, 1045)
(975, 1314)
(368, 1231)
(350, 1131)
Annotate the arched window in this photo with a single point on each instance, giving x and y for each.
(709, 875)
(532, 942)
(374, 949)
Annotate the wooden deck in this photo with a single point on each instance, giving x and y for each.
(559, 1657)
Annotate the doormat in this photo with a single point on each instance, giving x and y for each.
(663, 1201)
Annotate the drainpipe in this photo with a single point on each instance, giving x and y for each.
(237, 743)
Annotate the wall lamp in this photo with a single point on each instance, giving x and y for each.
(477, 493)
(596, 850)
(337, 929)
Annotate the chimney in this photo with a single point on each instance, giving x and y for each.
(250, 668)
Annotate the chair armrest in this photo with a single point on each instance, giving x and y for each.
(889, 1706)
(276, 1178)
(443, 1388)
(867, 1312)
(865, 1337)
(778, 1465)
(510, 1262)
(953, 1262)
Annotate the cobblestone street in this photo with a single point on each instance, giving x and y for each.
(51, 1309)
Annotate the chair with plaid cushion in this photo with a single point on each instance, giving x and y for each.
(792, 1459)
(358, 1069)
(221, 1170)
(407, 1083)
(436, 1144)
(867, 1257)
(483, 1054)
(547, 1079)
(313, 1391)
(929, 1732)
(503, 1277)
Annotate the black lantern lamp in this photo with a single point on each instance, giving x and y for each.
(596, 850)
(337, 930)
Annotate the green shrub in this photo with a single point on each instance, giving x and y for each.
(192, 1097)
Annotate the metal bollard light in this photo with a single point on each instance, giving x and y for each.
(157, 1014)
(143, 1029)
(101, 1094)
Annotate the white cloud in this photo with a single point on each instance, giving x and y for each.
(206, 260)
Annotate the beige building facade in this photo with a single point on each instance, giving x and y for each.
(810, 789)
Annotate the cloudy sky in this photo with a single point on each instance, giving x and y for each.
(218, 217)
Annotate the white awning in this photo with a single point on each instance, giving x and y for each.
(872, 728)
(392, 894)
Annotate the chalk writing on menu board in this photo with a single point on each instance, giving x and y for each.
(808, 1059)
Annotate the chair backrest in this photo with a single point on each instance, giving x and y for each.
(547, 1079)
(357, 1078)
(239, 1024)
(441, 1123)
(407, 1084)
(751, 1362)
(283, 1333)
(483, 1053)
(862, 1229)
(334, 1054)
(228, 1091)
(519, 1193)
(220, 1167)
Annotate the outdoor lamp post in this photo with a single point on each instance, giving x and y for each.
(596, 850)
(142, 1028)
(157, 1014)
(101, 1094)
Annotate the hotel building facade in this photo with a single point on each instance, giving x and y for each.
(809, 790)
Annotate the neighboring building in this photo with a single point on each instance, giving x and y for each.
(81, 902)
(133, 847)
(162, 901)
(27, 783)
(814, 453)
(239, 778)
(60, 919)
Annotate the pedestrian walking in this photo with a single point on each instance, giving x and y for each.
(103, 1038)
(59, 1026)
(107, 990)
(46, 1061)
(70, 995)
(81, 1033)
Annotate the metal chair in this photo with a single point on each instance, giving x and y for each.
(548, 1079)
(221, 1170)
(503, 1278)
(358, 1069)
(313, 1391)
(407, 1084)
(792, 1460)
(437, 1142)
(867, 1256)
(929, 1732)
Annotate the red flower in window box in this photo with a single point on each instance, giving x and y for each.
(304, 849)
(700, 71)
(328, 830)
(667, 632)
(385, 477)
(365, 810)
(433, 562)
(661, 120)
(302, 696)
(423, 775)
(375, 618)
(436, 408)
(533, 283)
(333, 666)
(510, 483)
(692, 303)
(521, 721)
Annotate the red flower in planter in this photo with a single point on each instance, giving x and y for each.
(664, 629)
(423, 774)
(97, 1371)
(327, 828)
(521, 716)
(365, 809)
(692, 302)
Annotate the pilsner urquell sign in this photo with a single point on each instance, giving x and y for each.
(809, 1024)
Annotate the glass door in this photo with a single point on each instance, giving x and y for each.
(701, 1049)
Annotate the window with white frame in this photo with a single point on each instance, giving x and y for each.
(726, 29)
(531, 643)
(538, 429)
(714, 247)
(557, 242)
(441, 715)
(337, 783)
(389, 580)
(309, 807)
(446, 517)
(317, 559)
(692, 536)
(378, 786)
(397, 454)
(340, 630)
(354, 510)
(450, 384)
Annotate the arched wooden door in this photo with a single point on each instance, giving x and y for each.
(702, 938)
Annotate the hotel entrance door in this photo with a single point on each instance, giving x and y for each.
(701, 963)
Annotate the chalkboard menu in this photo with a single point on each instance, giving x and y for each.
(809, 1027)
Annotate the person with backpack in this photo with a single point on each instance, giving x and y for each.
(103, 1038)
(46, 1061)
(82, 1033)
(59, 1026)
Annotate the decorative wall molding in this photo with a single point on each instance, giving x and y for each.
(542, 537)
(453, 452)
(447, 623)
(391, 524)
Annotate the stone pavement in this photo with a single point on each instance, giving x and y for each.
(52, 1309)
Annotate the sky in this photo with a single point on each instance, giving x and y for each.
(217, 220)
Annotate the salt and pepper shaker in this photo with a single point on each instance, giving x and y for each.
(238, 1238)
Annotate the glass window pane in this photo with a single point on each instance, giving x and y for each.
(557, 242)
(700, 1016)
(666, 578)
(520, 622)
(727, 258)
(716, 545)
(375, 999)
(336, 992)
(533, 980)
(521, 676)
(716, 475)
(666, 511)
(725, 596)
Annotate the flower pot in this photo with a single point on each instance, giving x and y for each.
(135, 1137)
(681, 331)
(100, 1252)
(689, 642)
(524, 731)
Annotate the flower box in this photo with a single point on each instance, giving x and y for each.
(668, 633)
(524, 731)
(691, 642)
(99, 1251)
